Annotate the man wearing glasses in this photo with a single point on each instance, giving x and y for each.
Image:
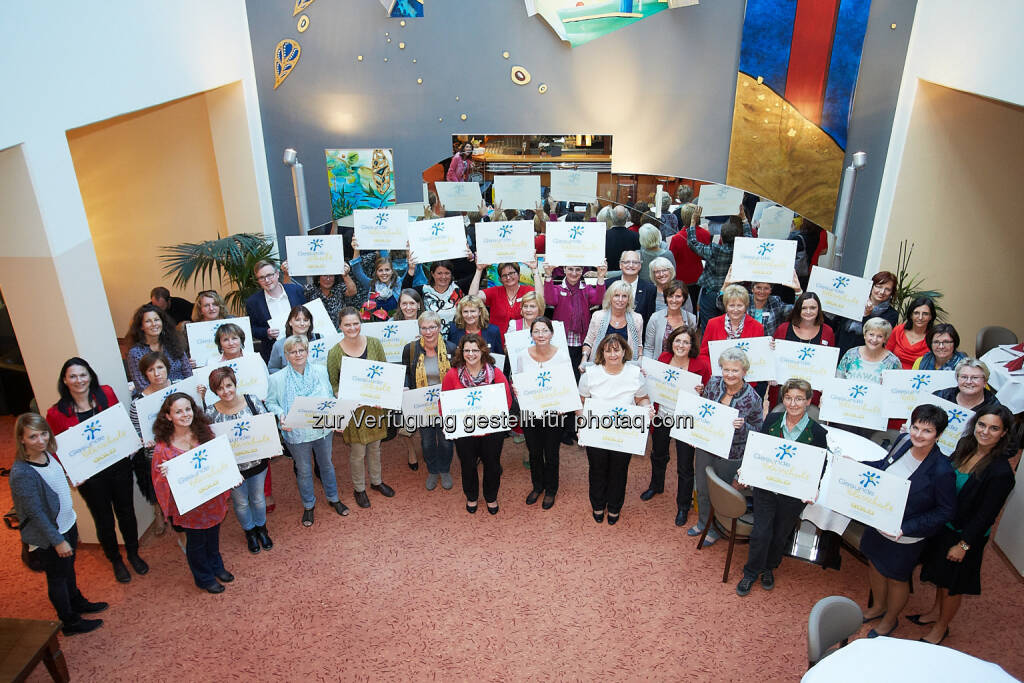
(275, 301)
(644, 291)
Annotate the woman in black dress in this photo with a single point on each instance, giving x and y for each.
(984, 479)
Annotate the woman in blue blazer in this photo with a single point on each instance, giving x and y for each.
(930, 504)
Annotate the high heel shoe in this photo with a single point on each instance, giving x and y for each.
(612, 520)
(599, 516)
(471, 509)
(414, 465)
(492, 510)
(940, 639)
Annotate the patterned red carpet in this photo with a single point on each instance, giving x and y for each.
(415, 588)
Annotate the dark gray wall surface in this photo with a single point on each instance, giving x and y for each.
(662, 87)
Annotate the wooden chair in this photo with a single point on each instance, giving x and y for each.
(832, 621)
(728, 511)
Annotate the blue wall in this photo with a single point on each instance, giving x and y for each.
(662, 87)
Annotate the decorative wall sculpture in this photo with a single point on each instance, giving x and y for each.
(286, 56)
(360, 179)
(403, 8)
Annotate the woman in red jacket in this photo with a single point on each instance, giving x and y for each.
(473, 366)
(734, 324)
(107, 494)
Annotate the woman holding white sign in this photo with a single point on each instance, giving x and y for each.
(867, 363)
(776, 514)
(301, 378)
(300, 321)
(153, 330)
(410, 306)
(441, 294)
(851, 332)
(971, 390)
(336, 291)
(611, 380)
(368, 425)
(107, 494)
(669, 319)
(503, 301)
(154, 366)
(908, 339)
(230, 341)
(383, 290)
(473, 366)
(730, 390)
(615, 317)
(930, 504)
(209, 306)
(248, 499)
(180, 427)
(734, 324)
(472, 317)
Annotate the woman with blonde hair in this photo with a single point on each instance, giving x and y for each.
(652, 249)
(616, 316)
(472, 317)
(735, 323)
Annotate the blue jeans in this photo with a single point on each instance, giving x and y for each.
(708, 304)
(249, 502)
(304, 454)
(202, 549)
(437, 450)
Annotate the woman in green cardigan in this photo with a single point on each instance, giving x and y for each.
(776, 514)
(368, 425)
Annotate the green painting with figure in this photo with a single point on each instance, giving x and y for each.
(360, 179)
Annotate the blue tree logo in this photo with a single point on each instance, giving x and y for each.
(93, 431)
(382, 218)
(390, 330)
(707, 410)
(805, 354)
(956, 415)
(574, 177)
(840, 282)
(619, 412)
(437, 228)
(233, 365)
(543, 379)
(743, 346)
(316, 350)
(858, 390)
(575, 232)
(325, 405)
(473, 398)
(198, 458)
(433, 394)
(374, 371)
(868, 478)
(240, 429)
(315, 245)
(671, 375)
(784, 451)
(919, 381)
(505, 231)
(765, 248)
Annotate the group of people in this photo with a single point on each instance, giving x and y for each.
(664, 292)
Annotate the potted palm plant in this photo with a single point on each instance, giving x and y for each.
(910, 286)
(226, 261)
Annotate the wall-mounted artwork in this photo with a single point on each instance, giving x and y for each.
(580, 21)
(286, 56)
(360, 179)
(799, 61)
(403, 8)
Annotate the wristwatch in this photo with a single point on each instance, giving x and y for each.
(964, 546)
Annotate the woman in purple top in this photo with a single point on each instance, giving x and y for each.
(572, 300)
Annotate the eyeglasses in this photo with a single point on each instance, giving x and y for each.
(942, 342)
(971, 379)
(509, 273)
(629, 263)
(429, 328)
(266, 278)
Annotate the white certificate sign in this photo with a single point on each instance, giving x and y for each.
(322, 323)
(517, 191)
(712, 424)
(621, 428)
(853, 446)
(758, 350)
(787, 467)
(851, 402)
(437, 240)
(958, 417)
(517, 341)
(574, 244)
(841, 294)
(94, 445)
(201, 344)
(574, 186)
(505, 242)
(371, 383)
(459, 196)
(865, 494)
(250, 371)
(551, 388)
(316, 255)
(319, 349)
(720, 200)
(664, 382)
(318, 412)
(380, 228)
(421, 403)
(148, 407)
(393, 336)
(202, 474)
(755, 259)
(251, 438)
(476, 411)
(910, 388)
(816, 364)
(773, 221)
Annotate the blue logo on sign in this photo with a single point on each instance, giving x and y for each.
(92, 431)
(743, 346)
(765, 248)
(920, 381)
(858, 390)
(473, 398)
(198, 458)
(805, 354)
(432, 394)
(785, 451)
(390, 330)
(504, 231)
(543, 379)
(956, 415)
(575, 232)
(325, 405)
(707, 410)
(671, 375)
(240, 429)
(315, 245)
(382, 218)
(374, 371)
(840, 281)
(619, 412)
(316, 350)
(869, 479)
(436, 229)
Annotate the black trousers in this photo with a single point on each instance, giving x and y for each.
(684, 465)
(775, 515)
(109, 494)
(543, 440)
(473, 450)
(61, 585)
(607, 475)
(202, 550)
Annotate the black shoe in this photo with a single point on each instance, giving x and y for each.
(532, 498)
(383, 489)
(681, 516)
(225, 576)
(213, 588)
(916, 619)
(341, 508)
(549, 501)
(471, 509)
(81, 626)
(414, 465)
(598, 516)
(649, 493)
(493, 510)
(612, 521)
(264, 537)
(924, 640)
(121, 571)
(744, 586)
(307, 517)
(767, 580)
(568, 439)
(252, 541)
(86, 607)
(138, 564)
(362, 500)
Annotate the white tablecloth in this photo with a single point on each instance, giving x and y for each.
(824, 518)
(1009, 386)
(906, 661)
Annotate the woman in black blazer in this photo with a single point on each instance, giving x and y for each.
(984, 479)
(930, 504)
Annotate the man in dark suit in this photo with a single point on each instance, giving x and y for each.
(276, 300)
(619, 238)
(179, 309)
(644, 291)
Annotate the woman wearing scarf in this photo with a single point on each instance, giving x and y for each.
(441, 294)
(943, 349)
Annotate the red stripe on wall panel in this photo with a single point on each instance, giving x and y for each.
(813, 30)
